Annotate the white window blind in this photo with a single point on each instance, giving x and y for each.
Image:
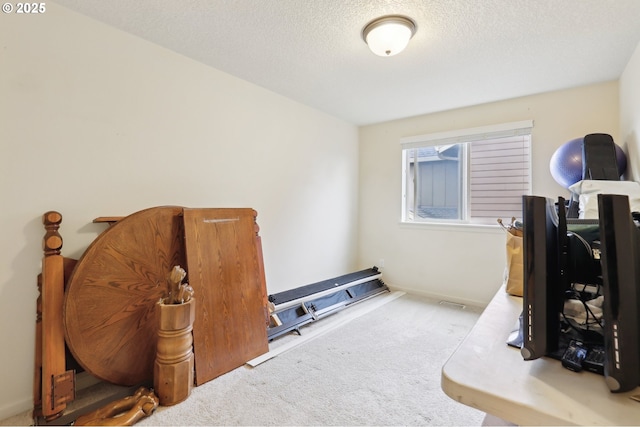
(499, 177)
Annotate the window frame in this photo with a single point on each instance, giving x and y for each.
(463, 189)
(469, 135)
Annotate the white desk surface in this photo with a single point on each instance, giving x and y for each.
(487, 374)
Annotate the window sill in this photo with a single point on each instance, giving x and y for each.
(453, 226)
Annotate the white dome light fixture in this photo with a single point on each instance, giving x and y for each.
(388, 35)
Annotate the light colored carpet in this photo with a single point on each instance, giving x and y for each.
(381, 368)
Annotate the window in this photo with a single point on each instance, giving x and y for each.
(468, 176)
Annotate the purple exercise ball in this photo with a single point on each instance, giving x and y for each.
(566, 162)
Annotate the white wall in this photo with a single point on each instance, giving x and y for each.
(95, 122)
(463, 263)
(630, 113)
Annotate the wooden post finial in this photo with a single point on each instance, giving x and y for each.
(52, 242)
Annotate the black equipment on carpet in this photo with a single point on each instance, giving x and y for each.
(300, 306)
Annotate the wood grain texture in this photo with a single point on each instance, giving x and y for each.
(52, 351)
(109, 306)
(52, 356)
(173, 368)
(226, 272)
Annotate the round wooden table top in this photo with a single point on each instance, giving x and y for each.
(110, 301)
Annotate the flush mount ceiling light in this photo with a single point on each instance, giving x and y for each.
(388, 35)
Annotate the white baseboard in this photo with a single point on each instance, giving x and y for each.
(438, 297)
(25, 406)
(16, 408)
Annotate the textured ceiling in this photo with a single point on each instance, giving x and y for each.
(465, 52)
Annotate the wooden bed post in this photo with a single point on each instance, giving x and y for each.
(57, 385)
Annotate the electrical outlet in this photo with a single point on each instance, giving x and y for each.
(381, 263)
